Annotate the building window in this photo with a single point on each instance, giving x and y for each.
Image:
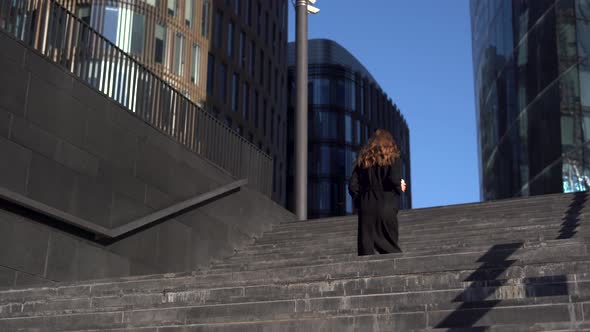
(256, 111)
(278, 130)
(242, 49)
(151, 2)
(274, 40)
(178, 56)
(218, 27)
(285, 11)
(325, 125)
(111, 22)
(268, 80)
(171, 7)
(319, 91)
(362, 97)
(272, 125)
(195, 74)
(237, 7)
(210, 74)
(249, 12)
(264, 117)
(261, 60)
(83, 12)
(252, 58)
(188, 12)
(358, 131)
(205, 19)
(222, 82)
(124, 28)
(348, 129)
(228, 121)
(230, 40)
(259, 19)
(275, 85)
(235, 92)
(274, 174)
(245, 100)
(138, 34)
(266, 23)
(160, 44)
(280, 178)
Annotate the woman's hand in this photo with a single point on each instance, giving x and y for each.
(403, 185)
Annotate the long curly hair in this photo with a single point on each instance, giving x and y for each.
(381, 150)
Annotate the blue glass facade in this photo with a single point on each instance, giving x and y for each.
(532, 89)
(345, 106)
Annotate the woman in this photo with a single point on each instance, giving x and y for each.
(375, 187)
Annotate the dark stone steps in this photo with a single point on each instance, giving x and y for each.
(512, 265)
(538, 234)
(320, 295)
(349, 253)
(540, 253)
(499, 263)
(486, 313)
(432, 233)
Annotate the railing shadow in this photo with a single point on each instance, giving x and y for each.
(485, 282)
(571, 220)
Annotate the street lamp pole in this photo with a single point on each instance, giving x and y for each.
(302, 7)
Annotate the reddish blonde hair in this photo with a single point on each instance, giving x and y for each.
(381, 150)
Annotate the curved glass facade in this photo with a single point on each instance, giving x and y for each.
(345, 106)
(532, 89)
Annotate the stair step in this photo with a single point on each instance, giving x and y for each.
(406, 269)
(319, 295)
(422, 220)
(485, 313)
(350, 241)
(348, 324)
(350, 253)
(535, 203)
(430, 234)
(398, 260)
(409, 226)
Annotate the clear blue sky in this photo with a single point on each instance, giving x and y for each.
(419, 51)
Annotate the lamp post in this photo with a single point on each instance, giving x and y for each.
(302, 7)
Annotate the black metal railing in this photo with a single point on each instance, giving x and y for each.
(50, 29)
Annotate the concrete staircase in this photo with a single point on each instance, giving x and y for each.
(514, 265)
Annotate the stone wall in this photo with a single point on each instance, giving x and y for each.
(68, 146)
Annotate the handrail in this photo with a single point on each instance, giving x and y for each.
(102, 232)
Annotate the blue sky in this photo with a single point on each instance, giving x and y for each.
(419, 51)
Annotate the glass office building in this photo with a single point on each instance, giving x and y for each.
(532, 89)
(247, 76)
(345, 106)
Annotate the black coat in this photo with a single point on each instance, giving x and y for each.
(376, 192)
